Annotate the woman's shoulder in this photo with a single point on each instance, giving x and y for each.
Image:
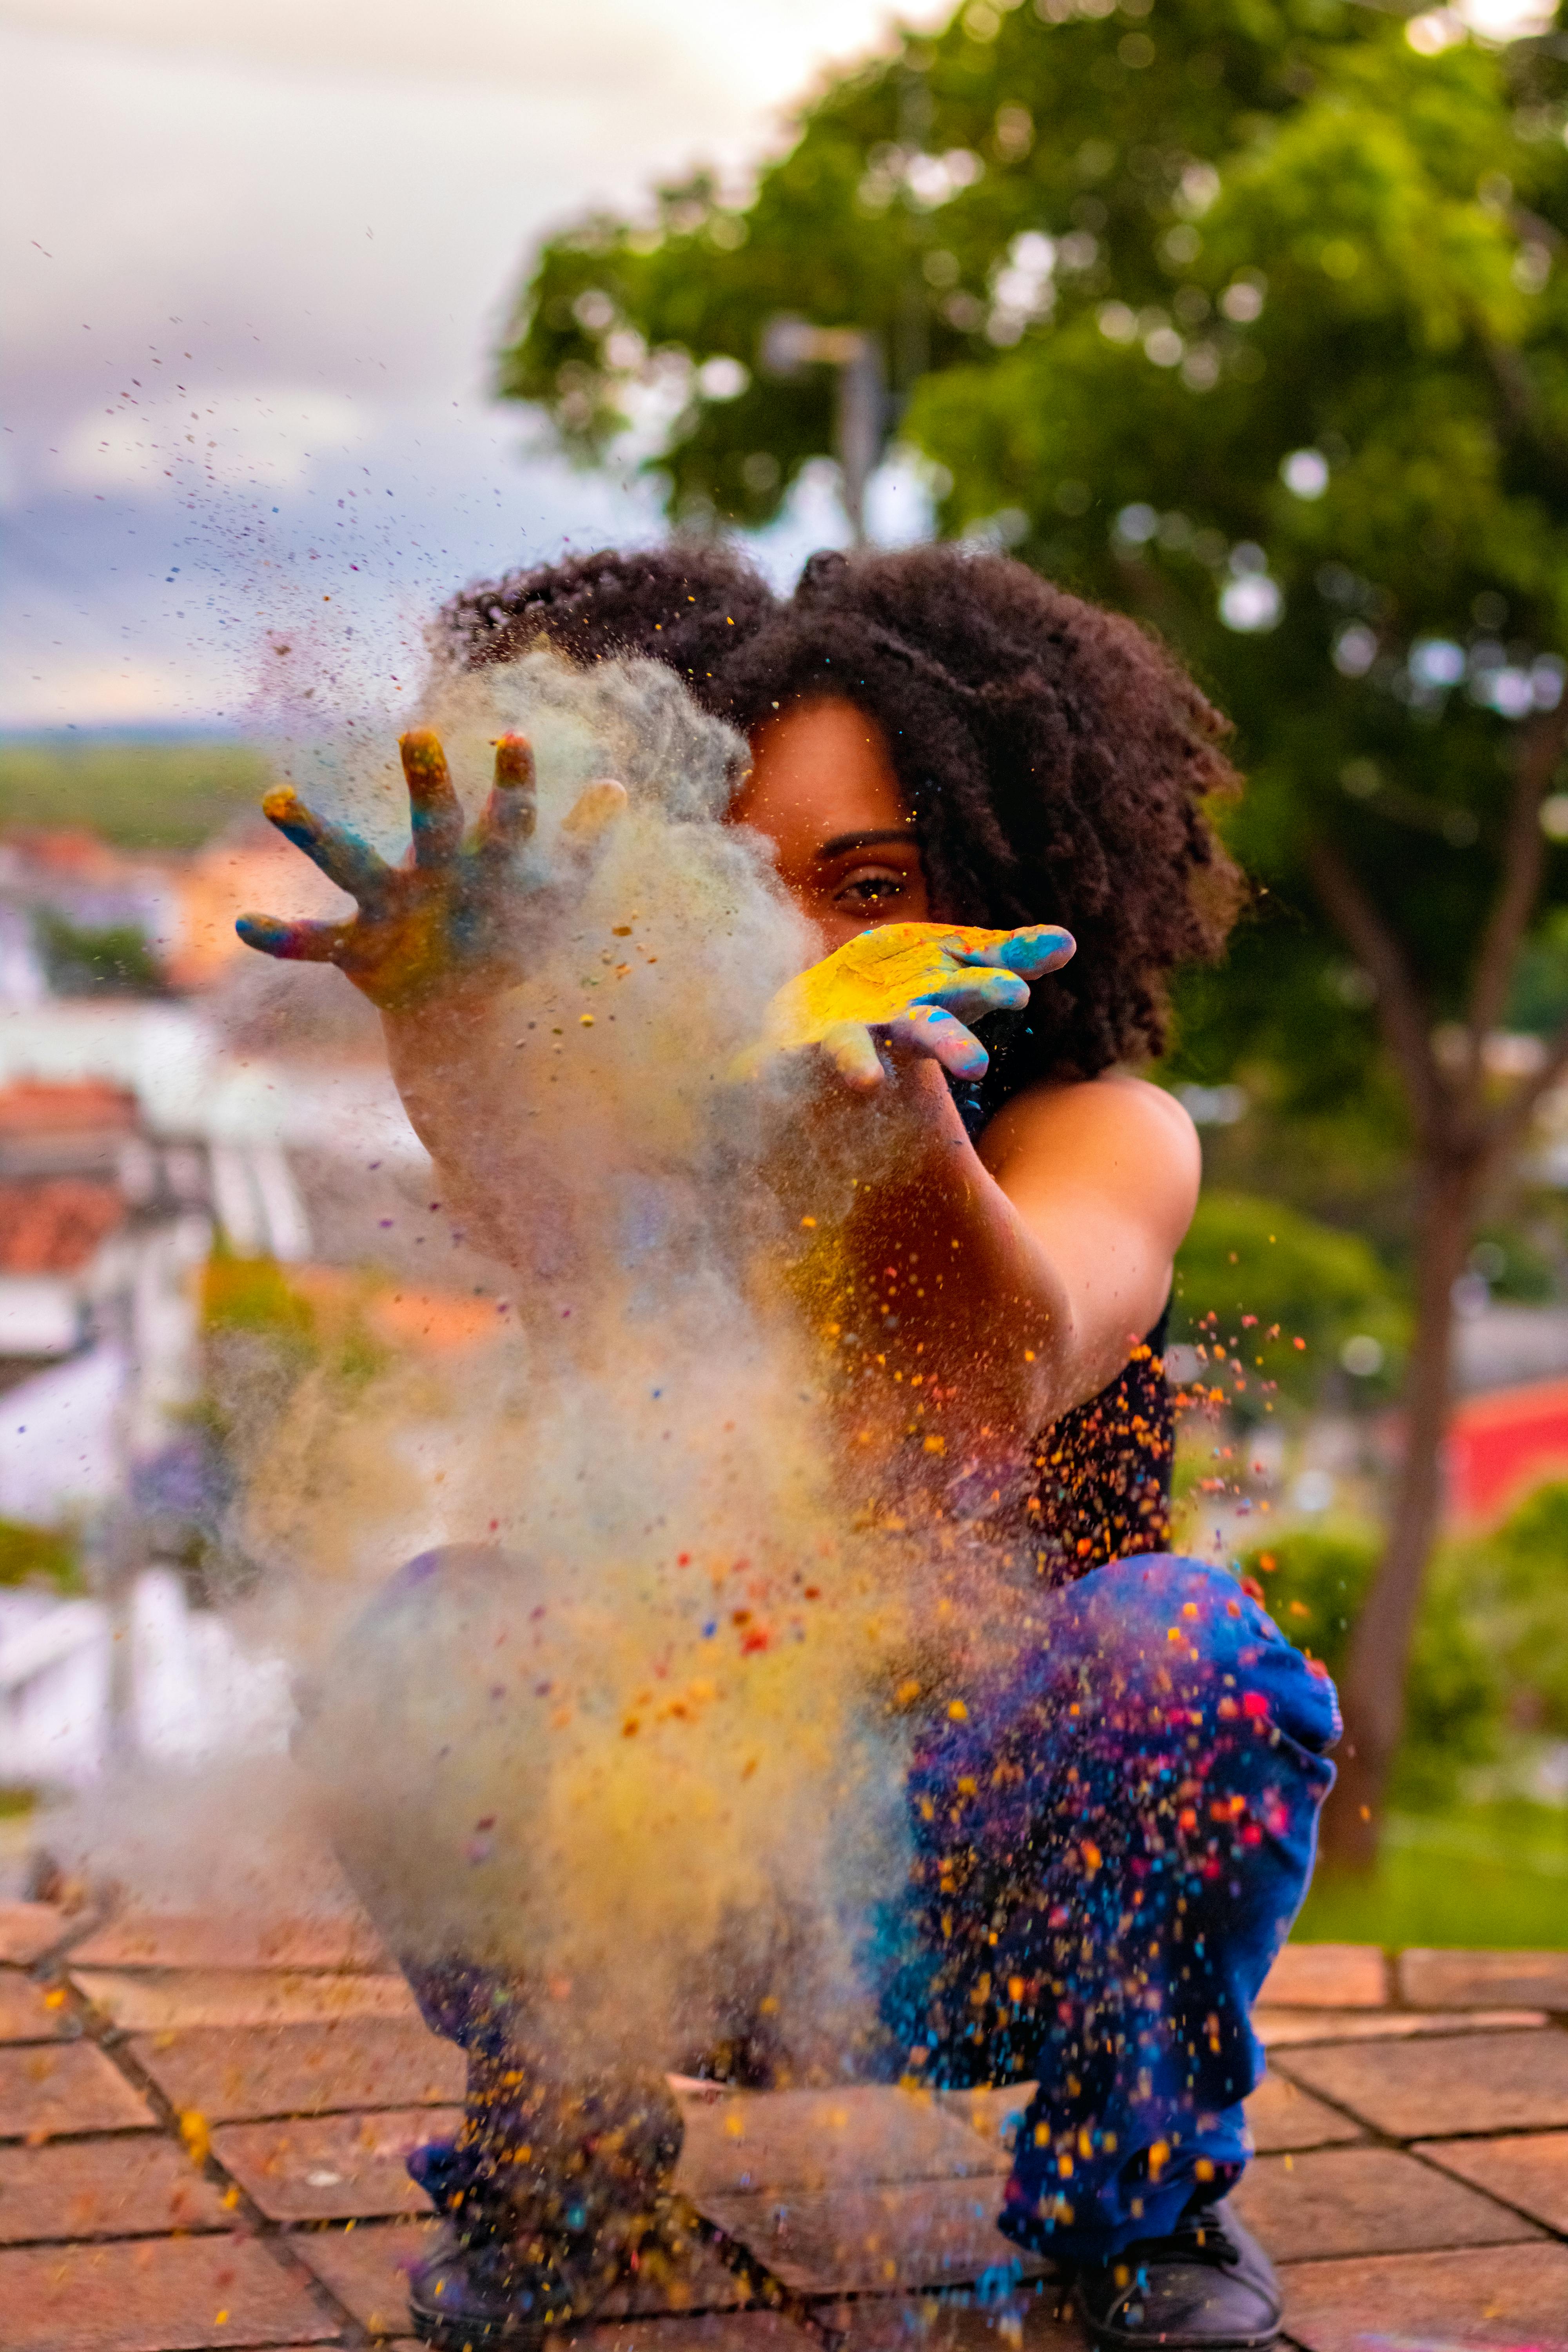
(1114, 1107)
(1129, 1146)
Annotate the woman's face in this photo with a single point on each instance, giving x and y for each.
(823, 790)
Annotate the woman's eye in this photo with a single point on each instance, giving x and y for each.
(871, 889)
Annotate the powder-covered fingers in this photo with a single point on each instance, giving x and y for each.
(455, 912)
(293, 943)
(435, 811)
(596, 807)
(927, 1030)
(1030, 952)
(341, 855)
(512, 812)
(851, 1050)
(977, 990)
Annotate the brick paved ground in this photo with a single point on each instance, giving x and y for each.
(203, 2125)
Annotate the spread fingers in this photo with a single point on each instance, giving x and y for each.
(928, 1030)
(852, 1050)
(294, 942)
(1031, 952)
(596, 809)
(341, 855)
(435, 811)
(979, 989)
(512, 808)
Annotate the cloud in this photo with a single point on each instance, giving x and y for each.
(262, 441)
(702, 57)
(256, 260)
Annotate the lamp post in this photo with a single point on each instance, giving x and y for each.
(789, 346)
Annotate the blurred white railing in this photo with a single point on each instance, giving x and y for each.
(190, 1689)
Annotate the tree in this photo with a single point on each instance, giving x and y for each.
(1242, 315)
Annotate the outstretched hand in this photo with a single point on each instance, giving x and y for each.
(448, 912)
(911, 986)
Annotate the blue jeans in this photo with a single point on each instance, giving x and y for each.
(1113, 1843)
(1110, 1843)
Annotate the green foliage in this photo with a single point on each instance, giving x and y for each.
(1520, 1261)
(898, 208)
(1124, 267)
(1517, 1590)
(31, 1555)
(253, 1294)
(1539, 1003)
(1315, 1582)
(359, 1357)
(1474, 1876)
(141, 795)
(1255, 1277)
(113, 959)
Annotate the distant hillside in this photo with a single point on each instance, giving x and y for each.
(145, 793)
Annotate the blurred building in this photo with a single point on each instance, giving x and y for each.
(102, 1232)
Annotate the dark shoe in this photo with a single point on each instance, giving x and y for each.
(551, 2193)
(1208, 2287)
(464, 2297)
(461, 2298)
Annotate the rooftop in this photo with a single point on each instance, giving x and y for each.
(64, 1107)
(204, 2121)
(56, 1225)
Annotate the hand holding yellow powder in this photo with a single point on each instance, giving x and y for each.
(912, 985)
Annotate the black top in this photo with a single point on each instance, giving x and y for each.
(1104, 1468)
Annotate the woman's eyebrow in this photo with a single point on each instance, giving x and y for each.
(844, 841)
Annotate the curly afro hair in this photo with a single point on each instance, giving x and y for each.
(1057, 758)
(686, 603)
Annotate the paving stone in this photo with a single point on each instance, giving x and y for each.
(338, 2168)
(218, 1939)
(164, 1999)
(367, 2270)
(1431, 2088)
(28, 2013)
(288, 2070)
(161, 2294)
(1364, 2200)
(817, 2140)
(1530, 2170)
(71, 2087)
(717, 2331)
(134, 2185)
(1476, 2298)
(1280, 2114)
(1456, 1980)
(1286, 2028)
(29, 1930)
(954, 2323)
(852, 2241)
(1327, 1976)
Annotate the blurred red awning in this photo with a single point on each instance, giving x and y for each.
(1502, 1445)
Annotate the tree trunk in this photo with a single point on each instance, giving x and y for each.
(1372, 1693)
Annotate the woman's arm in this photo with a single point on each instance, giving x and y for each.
(989, 1290)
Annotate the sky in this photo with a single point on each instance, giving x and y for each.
(253, 263)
